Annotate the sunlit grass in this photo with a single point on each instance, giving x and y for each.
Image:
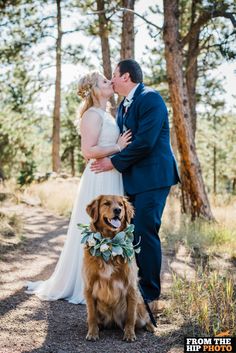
(10, 224)
(56, 195)
(207, 305)
(201, 237)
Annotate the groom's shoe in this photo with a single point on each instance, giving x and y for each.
(157, 306)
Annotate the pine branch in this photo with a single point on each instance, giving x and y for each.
(124, 9)
(204, 19)
(72, 31)
(46, 18)
(196, 53)
(140, 16)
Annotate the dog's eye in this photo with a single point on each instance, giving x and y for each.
(120, 204)
(107, 203)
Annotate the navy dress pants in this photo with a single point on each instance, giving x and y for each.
(149, 207)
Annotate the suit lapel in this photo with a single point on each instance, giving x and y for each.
(138, 91)
(119, 118)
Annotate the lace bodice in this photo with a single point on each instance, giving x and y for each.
(109, 130)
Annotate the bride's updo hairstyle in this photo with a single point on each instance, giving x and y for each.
(88, 90)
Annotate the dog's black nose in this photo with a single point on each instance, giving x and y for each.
(117, 211)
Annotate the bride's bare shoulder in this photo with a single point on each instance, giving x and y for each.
(91, 117)
(90, 114)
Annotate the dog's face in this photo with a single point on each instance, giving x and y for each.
(110, 214)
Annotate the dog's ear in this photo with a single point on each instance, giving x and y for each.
(129, 210)
(93, 209)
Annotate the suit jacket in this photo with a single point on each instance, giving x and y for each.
(148, 162)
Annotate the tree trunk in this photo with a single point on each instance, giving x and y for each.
(214, 169)
(192, 69)
(195, 200)
(214, 156)
(56, 161)
(72, 161)
(106, 54)
(127, 36)
(234, 185)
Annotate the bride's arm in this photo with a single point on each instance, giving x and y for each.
(90, 128)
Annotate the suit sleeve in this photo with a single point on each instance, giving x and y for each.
(153, 113)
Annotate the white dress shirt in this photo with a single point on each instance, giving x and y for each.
(127, 102)
(129, 98)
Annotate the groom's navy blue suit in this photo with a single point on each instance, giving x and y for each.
(149, 169)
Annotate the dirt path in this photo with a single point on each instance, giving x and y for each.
(29, 325)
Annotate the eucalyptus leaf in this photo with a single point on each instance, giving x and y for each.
(92, 251)
(117, 249)
(107, 253)
(119, 237)
(98, 253)
(129, 252)
(98, 236)
(130, 228)
(84, 239)
(106, 257)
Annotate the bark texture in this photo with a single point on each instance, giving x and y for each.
(106, 52)
(127, 36)
(195, 200)
(192, 69)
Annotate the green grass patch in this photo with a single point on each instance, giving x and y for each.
(201, 237)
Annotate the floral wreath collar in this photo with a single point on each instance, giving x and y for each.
(121, 244)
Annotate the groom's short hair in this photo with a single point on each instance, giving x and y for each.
(133, 68)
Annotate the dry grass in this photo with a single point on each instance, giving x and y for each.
(11, 228)
(224, 207)
(55, 195)
(10, 225)
(202, 237)
(207, 304)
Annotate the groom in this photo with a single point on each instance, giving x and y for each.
(147, 165)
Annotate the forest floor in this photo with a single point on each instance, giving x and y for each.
(29, 325)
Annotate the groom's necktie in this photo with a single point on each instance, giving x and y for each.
(126, 103)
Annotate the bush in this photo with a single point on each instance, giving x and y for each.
(27, 173)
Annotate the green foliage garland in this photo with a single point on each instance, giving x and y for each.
(120, 245)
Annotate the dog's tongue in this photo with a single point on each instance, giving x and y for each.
(115, 222)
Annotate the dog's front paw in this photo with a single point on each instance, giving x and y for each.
(129, 335)
(93, 334)
(150, 327)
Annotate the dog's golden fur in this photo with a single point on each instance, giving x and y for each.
(111, 291)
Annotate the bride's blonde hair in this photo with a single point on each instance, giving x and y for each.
(88, 91)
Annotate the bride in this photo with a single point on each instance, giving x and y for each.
(100, 137)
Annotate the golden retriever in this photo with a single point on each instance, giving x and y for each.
(111, 288)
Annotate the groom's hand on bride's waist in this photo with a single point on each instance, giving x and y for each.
(101, 165)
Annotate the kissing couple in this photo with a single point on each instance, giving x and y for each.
(130, 155)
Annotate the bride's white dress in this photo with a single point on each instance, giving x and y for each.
(66, 281)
